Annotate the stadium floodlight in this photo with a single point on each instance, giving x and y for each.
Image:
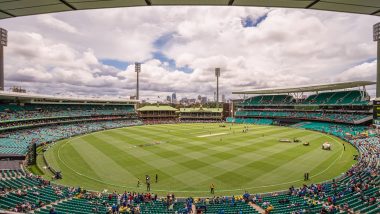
(3, 37)
(376, 32)
(217, 74)
(3, 42)
(376, 38)
(137, 70)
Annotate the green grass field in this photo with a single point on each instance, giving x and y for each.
(189, 157)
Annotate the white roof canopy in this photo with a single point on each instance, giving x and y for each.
(15, 8)
(33, 98)
(308, 88)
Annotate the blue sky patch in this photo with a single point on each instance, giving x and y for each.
(122, 65)
(163, 40)
(369, 60)
(163, 58)
(170, 62)
(251, 22)
(186, 69)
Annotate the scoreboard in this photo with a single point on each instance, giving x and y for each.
(376, 112)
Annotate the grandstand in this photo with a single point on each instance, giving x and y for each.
(152, 114)
(337, 98)
(201, 114)
(339, 104)
(25, 118)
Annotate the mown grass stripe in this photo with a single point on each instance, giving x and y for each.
(137, 166)
(109, 165)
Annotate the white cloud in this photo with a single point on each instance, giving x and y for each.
(55, 23)
(364, 71)
(63, 51)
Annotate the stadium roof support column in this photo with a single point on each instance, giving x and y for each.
(1, 68)
(376, 38)
(3, 42)
(378, 71)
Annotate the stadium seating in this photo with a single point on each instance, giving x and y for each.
(21, 192)
(79, 205)
(267, 100)
(250, 121)
(340, 130)
(21, 125)
(226, 207)
(288, 204)
(353, 97)
(16, 183)
(74, 206)
(18, 141)
(102, 205)
(11, 173)
(160, 207)
(306, 115)
(34, 196)
(39, 111)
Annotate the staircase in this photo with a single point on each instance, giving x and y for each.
(257, 208)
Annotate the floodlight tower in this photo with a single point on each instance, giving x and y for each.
(3, 42)
(137, 70)
(376, 38)
(217, 74)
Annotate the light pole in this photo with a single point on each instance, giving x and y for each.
(217, 74)
(376, 38)
(137, 70)
(3, 42)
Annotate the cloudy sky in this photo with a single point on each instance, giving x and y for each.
(92, 53)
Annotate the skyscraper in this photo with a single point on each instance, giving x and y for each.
(174, 97)
(204, 100)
